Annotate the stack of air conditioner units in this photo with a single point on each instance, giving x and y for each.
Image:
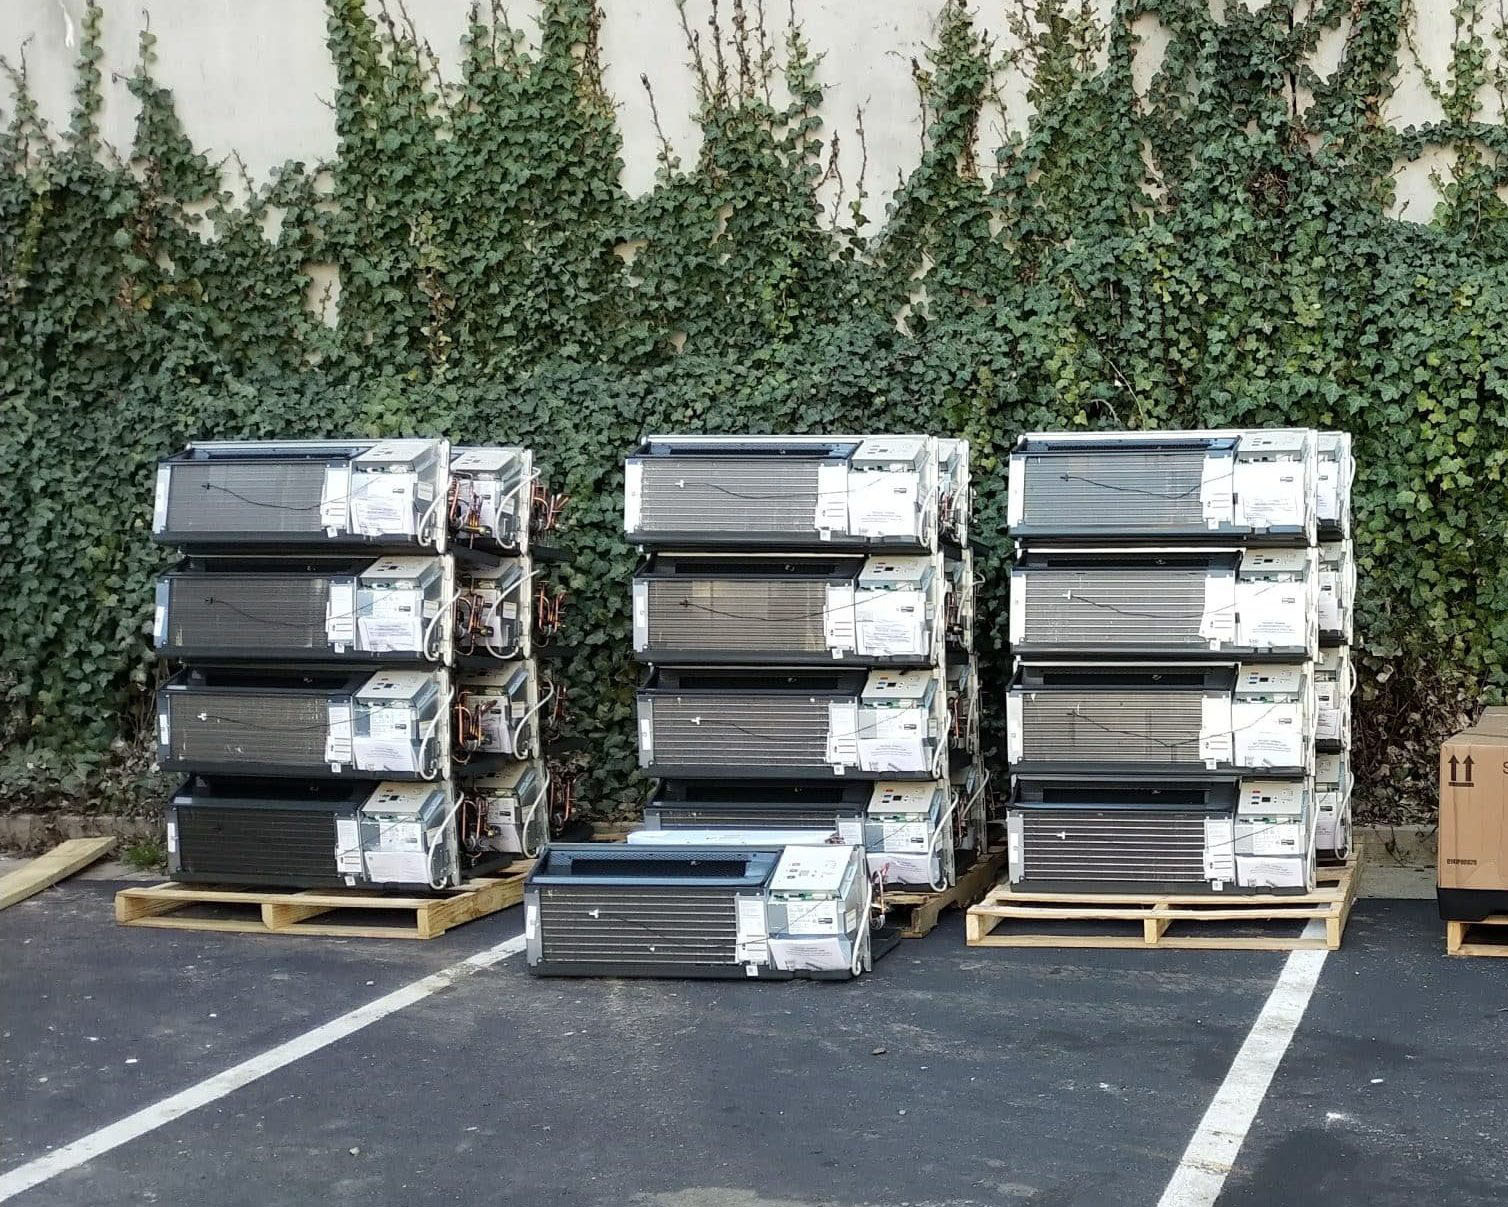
(809, 709)
(357, 701)
(1173, 684)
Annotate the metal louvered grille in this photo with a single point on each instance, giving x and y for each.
(258, 731)
(733, 817)
(729, 495)
(241, 496)
(250, 613)
(1135, 847)
(775, 731)
(1123, 726)
(294, 845)
(627, 924)
(1116, 492)
(1106, 610)
(723, 614)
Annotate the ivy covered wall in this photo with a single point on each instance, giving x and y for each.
(1205, 251)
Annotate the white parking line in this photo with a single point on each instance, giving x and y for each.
(150, 1118)
(1207, 1161)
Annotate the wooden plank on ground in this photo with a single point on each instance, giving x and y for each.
(59, 863)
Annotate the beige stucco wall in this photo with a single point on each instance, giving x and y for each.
(252, 76)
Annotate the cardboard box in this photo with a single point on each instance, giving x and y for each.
(1472, 874)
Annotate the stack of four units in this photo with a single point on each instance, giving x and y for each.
(358, 703)
(1171, 689)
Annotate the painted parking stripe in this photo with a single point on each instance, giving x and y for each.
(150, 1118)
(1207, 1161)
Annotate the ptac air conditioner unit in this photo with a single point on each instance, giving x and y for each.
(1336, 469)
(494, 610)
(794, 492)
(303, 493)
(1092, 834)
(754, 724)
(1334, 680)
(312, 834)
(1337, 592)
(692, 911)
(1274, 835)
(908, 833)
(1332, 795)
(824, 808)
(497, 712)
(781, 609)
(509, 810)
(389, 725)
(955, 491)
(262, 609)
(491, 498)
(1164, 486)
(1165, 603)
(1063, 718)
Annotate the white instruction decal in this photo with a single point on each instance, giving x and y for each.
(340, 612)
(843, 733)
(392, 620)
(348, 846)
(1215, 739)
(892, 739)
(1270, 494)
(883, 504)
(1219, 849)
(752, 936)
(838, 619)
(338, 740)
(1217, 624)
(890, 623)
(1270, 872)
(398, 867)
(633, 495)
(1215, 490)
(382, 504)
(335, 499)
(832, 499)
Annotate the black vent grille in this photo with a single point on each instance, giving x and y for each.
(779, 730)
(722, 614)
(1132, 491)
(1123, 726)
(279, 846)
(259, 731)
(248, 613)
(1103, 610)
(1113, 847)
(733, 818)
(246, 496)
(716, 495)
(628, 924)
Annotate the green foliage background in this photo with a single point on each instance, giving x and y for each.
(1210, 253)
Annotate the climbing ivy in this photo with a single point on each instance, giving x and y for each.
(1209, 246)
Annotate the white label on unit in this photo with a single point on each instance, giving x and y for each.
(843, 733)
(1329, 599)
(1015, 498)
(160, 499)
(831, 513)
(1219, 849)
(164, 728)
(838, 618)
(398, 867)
(400, 836)
(1268, 734)
(851, 830)
(1261, 872)
(641, 615)
(531, 921)
(159, 625)
(813, 917)
(340, 612)
(812, 955)
(1216, 487)
(890, 623)
(338, 740)
(647, 741)
(752, 935)
(172, 837)
(633, 495)
(377, 752)
(883, 504)
(1270, 494)
(1217, 624)
(1275, 838)
(891, 739)
(382, 504)
(1272, 614)
(335, 499)
(1327, 490)
(1215, 738)
(903, 836)
(347, 846)
(393, 620)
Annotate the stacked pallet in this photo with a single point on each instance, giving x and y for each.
(357, 701)
(1166, 617)
(804, 613)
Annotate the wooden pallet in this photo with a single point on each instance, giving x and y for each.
(337, 911)
(1464, 938)
(917, 913)
(1330, 903)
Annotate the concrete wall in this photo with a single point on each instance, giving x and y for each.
(250, 76)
